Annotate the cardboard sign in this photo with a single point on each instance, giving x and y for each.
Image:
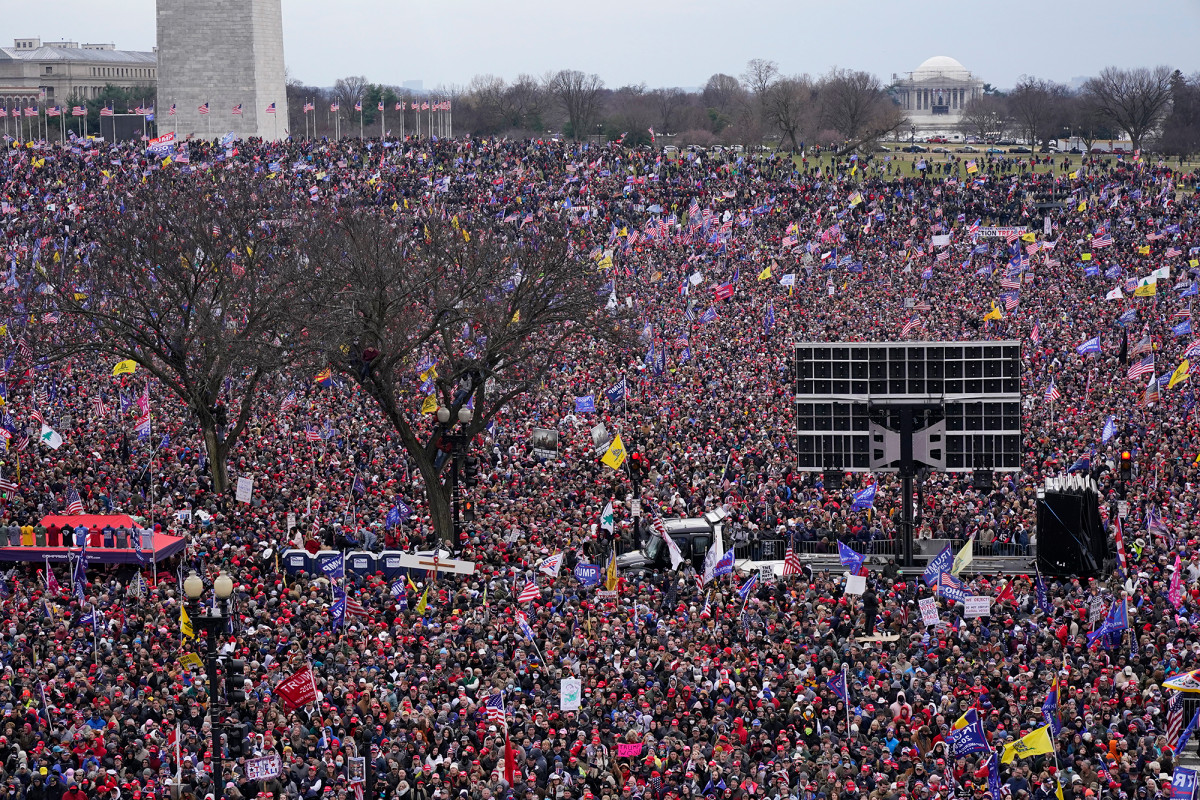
(977, 606)
(766, 573)
(265, 768)
(856, 584)
(570, 696)
(245, 488)
(929, 611)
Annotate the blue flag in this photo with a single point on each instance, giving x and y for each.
(708, 316)
(969, 739)
(1043, 597)
(337, 611)
(585, 405)
(839, 685)
(588, 574)
(1182, 329)
(1050, 710)
(1117, 620)
(1187, 732)
(616, 392)
(393, 518)
(850, 559)
(1090, 346)
(748, 586)
(1082, 464)
(769, 320)
(1110, 430)
(937, 565)
(865, 498)
(725, 565)
(334, 568)
(1129, 316)
(993, 776)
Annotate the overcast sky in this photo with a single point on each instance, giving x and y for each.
(674, 42)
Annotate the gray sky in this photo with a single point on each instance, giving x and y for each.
(674, 42)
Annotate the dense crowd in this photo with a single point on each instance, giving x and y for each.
(728, 696)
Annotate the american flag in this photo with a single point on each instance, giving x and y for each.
(106, 111)
(271, 108)
(1102, 241)
(309, 107)
(1035, 335)
(1172, 252)
(311, 434)
(355, 608)
(74, 504)
(53, 111)
(31, 112)
(203, 109)
(911, 325)
(78, 111)
(791, 562)
(289, 402)
(358, 105)
(334, 107)
(1009, 283)
(101, 406)
(530, 593)
(493, 708)
(24, 347)
(1183, 313)
(7, 485)
(1140, 368)
(171, 110)
(706, 612)
(237, 110)
(1052, 393)
(1174, 718)
(37, 417)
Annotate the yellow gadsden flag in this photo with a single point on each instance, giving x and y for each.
(963, 559)
(993, 314)
(185, 624)
(1180, 374)
(1034, 743)
(430, 405)
(126, 367)
(615, 456)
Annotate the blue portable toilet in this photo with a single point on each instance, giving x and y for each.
(296, 562)
(361, 563)
(389, 564)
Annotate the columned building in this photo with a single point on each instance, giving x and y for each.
(935, 93)
(33, 72)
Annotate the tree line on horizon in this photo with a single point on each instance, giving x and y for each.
(1155, 107)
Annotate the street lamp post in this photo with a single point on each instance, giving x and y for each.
(912, 137)
(213, 624)
(455, 444)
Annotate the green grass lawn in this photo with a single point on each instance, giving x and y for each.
(904, 160)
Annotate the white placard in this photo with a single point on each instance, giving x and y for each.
(941, 241)
(570, 696)
(245, 488)
(291, 520)
(979, 605)
(856, 584)
(635, 508)
(929, 611)
(1122, 508)
(766, 573)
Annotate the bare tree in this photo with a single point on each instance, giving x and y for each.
(579, 95)
(723, 93)
(1031, 103)
(489, 97)
(194, 282)
(759, 75)
(855, 105)
(984, 116)
(421, 312)
(527, 101)
(669, 103)
(350, 90)
(1134, 100)
(790, 105)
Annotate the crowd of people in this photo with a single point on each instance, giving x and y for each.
(452, 687)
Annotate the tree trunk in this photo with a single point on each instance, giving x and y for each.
(218, 470)
(438, 496)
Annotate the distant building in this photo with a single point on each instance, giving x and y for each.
(935, 93)
(225, 56)
(69, 71)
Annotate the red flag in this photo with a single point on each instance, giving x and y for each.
(1006, 594)
(299, 689)
(510, 763)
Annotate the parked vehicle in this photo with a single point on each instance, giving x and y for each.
(968, 149)
(914, 148)
(994, 151)
(693, 535)
(1019, 150)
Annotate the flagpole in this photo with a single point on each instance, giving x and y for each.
(846, 683)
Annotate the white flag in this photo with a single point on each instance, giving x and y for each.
(714, 554)
(1115, 294)
(552, 564)
(50, 438)
(606, 517)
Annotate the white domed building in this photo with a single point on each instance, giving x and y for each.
(936, 92)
